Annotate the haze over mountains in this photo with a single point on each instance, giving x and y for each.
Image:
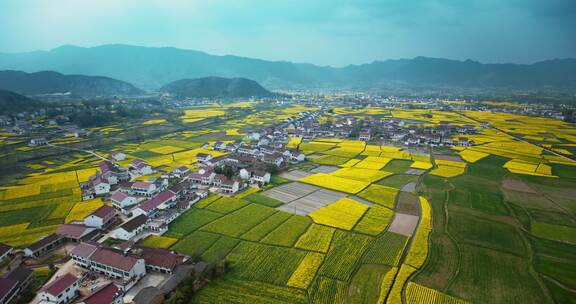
(152, 68)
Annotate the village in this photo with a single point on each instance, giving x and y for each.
(139, 206)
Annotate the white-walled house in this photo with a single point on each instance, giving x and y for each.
(131, 228)
(143, 188)
(245, 174)
(100, 186)
(260, 177)
(118, 156)
(163, 200)
(123, 201)
(101, 217)
(114, 264)
(62, 290)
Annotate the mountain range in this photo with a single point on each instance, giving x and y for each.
(215, 87)
(11, 102)
(152, 68)
(49, 82)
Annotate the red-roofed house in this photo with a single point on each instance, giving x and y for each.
(81, 254)
(162, 260)
(62, 290)
(144, 188)
(76, 232)
(101, 217)
(131, 228)
(123, 201)
(141, 167)
(116, 265)
(163, 200)
(107, 294)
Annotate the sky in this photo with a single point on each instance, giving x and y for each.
(324, 32)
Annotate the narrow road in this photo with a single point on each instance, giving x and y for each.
(521, 139)
(80, 150)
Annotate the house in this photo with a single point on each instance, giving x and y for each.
(203, 157)
(107, 294)
(180, 171)
(245, 174)
(163, 200)
(229, 186)
(8, 290)
(34, 142)
(260, 177)
(131, 228)
(76, 232)
(5, 251)
(122, 201)
(141, 167)
(364, 135)
(14, 283)
(115, 264)
(143, 188)
(82, 252)
(62, 290)
(118, 156)
(294, 156)
(101, 218)
(100, 186)
(275, 159)
(162, 260)
(219, 146)
(43, 245)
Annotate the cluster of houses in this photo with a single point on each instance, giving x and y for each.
(309, 127)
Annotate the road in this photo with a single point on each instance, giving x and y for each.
(80, 150)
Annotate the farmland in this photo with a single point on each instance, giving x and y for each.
(494, 221)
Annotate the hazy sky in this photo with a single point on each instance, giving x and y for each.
(327, 32)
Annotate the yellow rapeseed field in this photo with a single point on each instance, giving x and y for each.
(335, 183)
(304, 274)
(366, 175)
(342, 214)
(421, 165)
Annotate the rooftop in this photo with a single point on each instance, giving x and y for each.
(57, 286)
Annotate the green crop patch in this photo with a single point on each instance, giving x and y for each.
(191, 221)
(386, 249)
(345, 251)
(261, 230)
(240, 221)
(288, 232)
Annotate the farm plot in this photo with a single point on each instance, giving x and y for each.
(289, 192)
(312, 202)
(316, 238)
(260, 262)
(487, 233)
(155, 241)
(191, 221)
(554, 232)
(416, 293)
(490, 276)
(342, 214)
(366, 175)
(386, 249)
(219, 249)
(323, 169)
(242, 291)
(375, 220)
(380, 195)
(345, 252)
(294, 175)
(404, 224)
(365, 285)
(288, 232)
(226, 205)
(335, 183)
(306, 271)
(327, 290)
(240, 221)
(196, 243)
(261, 230)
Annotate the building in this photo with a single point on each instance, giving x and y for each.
(229, 186)
(122, 201)
(100, 186)
(162, 260)
(81, 254)
(115, 264)
(118, 156)
(163, 200)
(43, 246)
(5, 251)
(260, 177)
(14, 283)
(76, 232)
(107, 294)
(101, 218)
(131, 228)
(34, 142)
(8, 290)
(143, 188)
(141, 167)
(62, 290)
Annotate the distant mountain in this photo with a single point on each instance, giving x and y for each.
(149, 67)
(216, 87)
(11, 102)
(49, 82)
